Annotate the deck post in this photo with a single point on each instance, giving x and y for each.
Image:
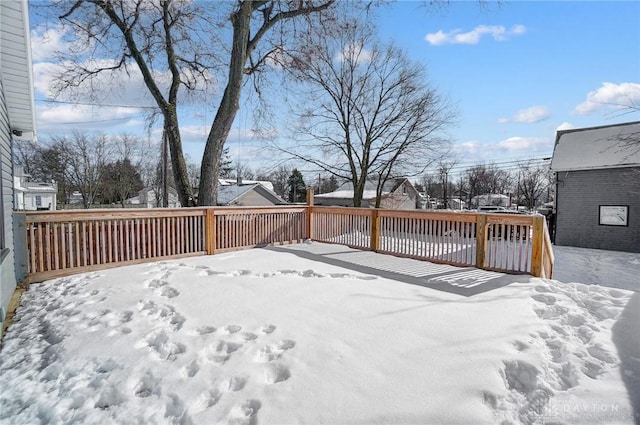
(210, 231)
(537, 246)
(481, 240)
(310, 213)
(375, 230)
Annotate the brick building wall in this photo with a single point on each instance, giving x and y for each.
(579, 195)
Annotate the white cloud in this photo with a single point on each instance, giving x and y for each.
(506, 148)
(565, 126)
(611, 96)
(355, 53)
(498, 32)
(64, 118)
(46, 41)
(518, 144)
(533, 114)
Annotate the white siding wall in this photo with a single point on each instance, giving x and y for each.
(7, 270)
(46, 199)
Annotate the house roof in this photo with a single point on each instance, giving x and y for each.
(612, 146)
(346, 190)
(15, 68)
(231, 182)
(39, 187)
(230, 193)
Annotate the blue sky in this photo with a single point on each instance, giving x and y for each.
(517, 72)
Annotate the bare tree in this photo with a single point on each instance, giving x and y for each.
(182, 43)
(85, 158)
(533, 181)
(279, 178)
(27, 155)
(487, 179)
(242, 171)
(125, 176)
(369, 112)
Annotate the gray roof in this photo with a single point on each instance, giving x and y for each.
(612, 146)
(230, 193)
(15, 67)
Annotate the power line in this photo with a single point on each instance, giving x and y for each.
(98, 121)
(105, 105)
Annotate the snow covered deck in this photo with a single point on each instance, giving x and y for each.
(322, 334)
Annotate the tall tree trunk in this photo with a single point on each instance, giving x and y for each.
(358, 190)
(210, 168)
(184, 189)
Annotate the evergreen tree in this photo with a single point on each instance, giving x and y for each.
(226, 164)
(296, 187)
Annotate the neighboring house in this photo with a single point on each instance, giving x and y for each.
(230, 182)
(16, 121)
(397, 194)
(74, 198)
(247, 195)
(147, 198)
(598, 187)
(490, 199)
(32, 196)
(456, 204)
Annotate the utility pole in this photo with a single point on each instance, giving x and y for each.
(444, 187)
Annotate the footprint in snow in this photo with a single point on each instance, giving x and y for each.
(109, 397)
(275, 372)
(267, 329)
(597, 351)
(191, 369)
(558, 350)
(206, 399)
(248, 336)
(520, 346)
(159, 343)
(163, 312)
(156, 283)
(231, 329)
(273, 352)
(233, 384)
(169, 292)
(204, 330)
(146, 386)
(209, 272)
(585, 333)
(592, 369)
(545, 299)
(221, 351)
(244, 414)
(176, 411)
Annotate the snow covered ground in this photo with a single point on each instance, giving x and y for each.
(323, 334)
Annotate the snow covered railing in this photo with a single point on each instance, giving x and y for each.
(60, 243)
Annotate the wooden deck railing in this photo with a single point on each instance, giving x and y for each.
(65, 242)
(60, 243)
(510, 243)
